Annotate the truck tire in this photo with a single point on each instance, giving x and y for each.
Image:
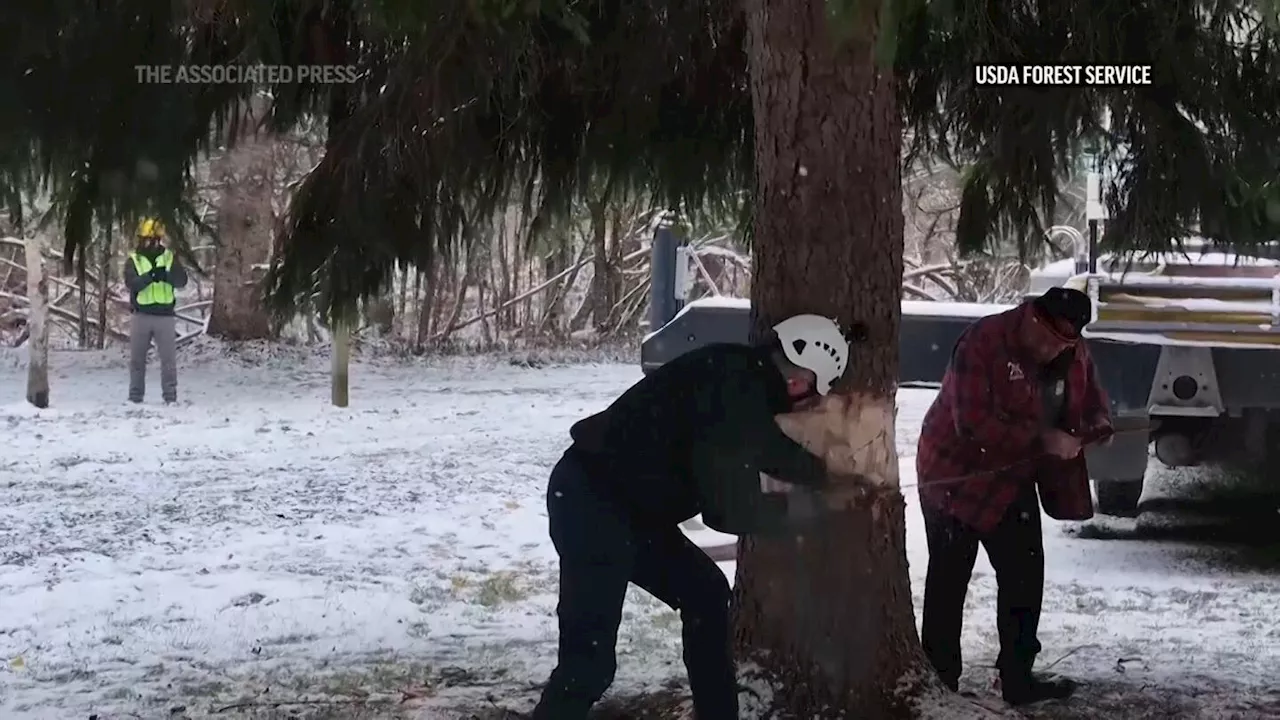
(1119, 497)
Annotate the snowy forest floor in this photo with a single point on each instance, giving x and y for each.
(254, 552)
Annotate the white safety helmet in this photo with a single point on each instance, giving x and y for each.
(815, 343)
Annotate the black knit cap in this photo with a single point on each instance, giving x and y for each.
(1066, 304)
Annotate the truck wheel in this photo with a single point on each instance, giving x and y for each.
(1119, 497)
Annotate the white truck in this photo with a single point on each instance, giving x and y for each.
(1187, 346)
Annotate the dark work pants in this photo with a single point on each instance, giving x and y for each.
(600, 552)
(1016, 551)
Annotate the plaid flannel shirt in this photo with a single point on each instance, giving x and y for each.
(988, 416)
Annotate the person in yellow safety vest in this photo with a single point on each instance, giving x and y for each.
(152, 274)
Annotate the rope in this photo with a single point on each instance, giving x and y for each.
(1020, 463)
(729, 551)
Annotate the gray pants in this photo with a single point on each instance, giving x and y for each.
(164, 331)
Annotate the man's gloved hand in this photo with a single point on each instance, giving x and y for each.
(158, 275)
(1100, 432)
(1061, 444)
(1102, 435)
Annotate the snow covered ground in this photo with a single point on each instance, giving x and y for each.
(255, 544)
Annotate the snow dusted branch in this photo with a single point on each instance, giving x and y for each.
(56, 312)
(917, 292)
(528, 294)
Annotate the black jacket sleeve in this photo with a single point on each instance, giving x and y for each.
(177, 275)
(135, 283)
(754, 403)
(786, 459)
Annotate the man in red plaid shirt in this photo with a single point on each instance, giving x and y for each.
(1018, 402)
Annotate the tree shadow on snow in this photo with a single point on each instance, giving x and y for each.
(1238, 531)
(660, 705)
(1122, 701)
(1094, 701)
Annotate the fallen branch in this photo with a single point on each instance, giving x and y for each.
(525, 295)
(702, 270)
(118, 300)
(1068, 654)
(621, 309)
(632, 312)
(67, 314)
(187, 338)
(71, 287)
(917, 292)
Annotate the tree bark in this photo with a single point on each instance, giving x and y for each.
(37, 323)
(827, 612)
(245, 217)
(340, 365)
(602, 285)
(556, 261)
(83, 315)
(470, 252)
(418, 305)
(104, 288)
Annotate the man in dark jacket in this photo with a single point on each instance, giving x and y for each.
(152, 274)
(637, 470)
(1017, 404)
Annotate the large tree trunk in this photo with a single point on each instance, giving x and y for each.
(37, 322)
(245, 218)
(828, 612)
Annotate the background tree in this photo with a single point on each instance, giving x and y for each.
(828, 611)
(246, 174)
(1194, 152)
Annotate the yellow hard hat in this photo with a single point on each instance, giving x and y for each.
(150, 228)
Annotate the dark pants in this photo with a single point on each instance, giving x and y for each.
(1016, 551)
(600, 552)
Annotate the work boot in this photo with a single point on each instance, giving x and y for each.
(1028, 689)
(135, 400)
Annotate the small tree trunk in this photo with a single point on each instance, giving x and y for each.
(104, 280)
(340, 333)
(602, 285)
(402, 310)
(82, 316)
(828, 611)
(553, 309)
(558, 327)
(421, 309)
(446, 292)
(505, 319)
(37, 323)
(459, 301)
(486, 330)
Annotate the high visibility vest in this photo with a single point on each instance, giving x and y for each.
(157, 293)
